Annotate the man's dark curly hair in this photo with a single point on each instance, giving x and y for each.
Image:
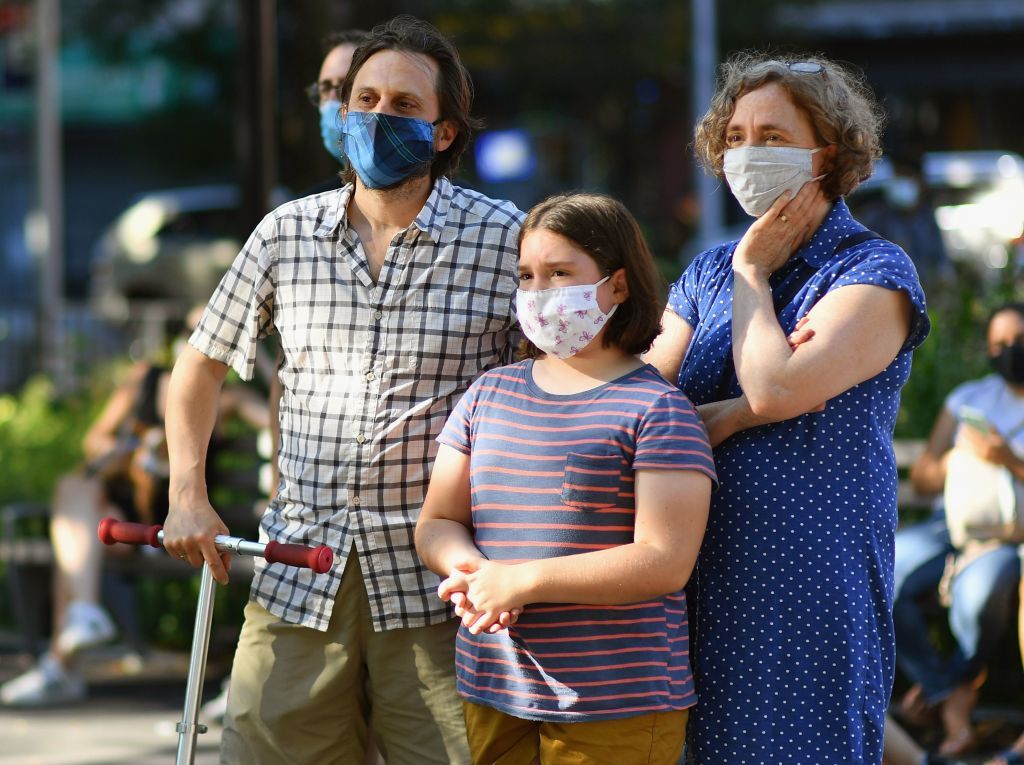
(454, 85)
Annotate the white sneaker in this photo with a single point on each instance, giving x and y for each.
(46, 684)
(86, 625)
(215, 709)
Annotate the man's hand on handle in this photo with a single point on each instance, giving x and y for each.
(189, 532)
(191, 522)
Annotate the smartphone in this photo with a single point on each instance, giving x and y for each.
(974, 418)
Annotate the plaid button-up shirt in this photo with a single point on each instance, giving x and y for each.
(370, 373)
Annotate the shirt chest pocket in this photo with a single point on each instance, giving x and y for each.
(591, 481)
(440, 323)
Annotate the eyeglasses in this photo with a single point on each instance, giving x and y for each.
(806, 67)
(318, 92)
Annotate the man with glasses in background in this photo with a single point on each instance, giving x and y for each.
(325, 94)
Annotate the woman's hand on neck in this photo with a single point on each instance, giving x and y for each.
(787, 226)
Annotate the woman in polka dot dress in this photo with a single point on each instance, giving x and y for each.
(795, 341)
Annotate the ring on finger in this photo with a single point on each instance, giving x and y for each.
(783, 218)
(182, 556)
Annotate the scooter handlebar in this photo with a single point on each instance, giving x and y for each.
(318, 559)
(112, 530)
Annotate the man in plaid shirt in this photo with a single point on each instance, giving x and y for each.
(390, 296)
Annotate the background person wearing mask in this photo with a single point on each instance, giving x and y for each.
(389, 297)
(904, 214)
(325, 94)
(985, 417)
(794, 655)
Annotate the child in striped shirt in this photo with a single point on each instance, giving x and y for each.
(566, 507)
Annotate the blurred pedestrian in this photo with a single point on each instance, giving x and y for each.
(794, 655)
(904, 214)
(122, 446)
(985, 419)
(124, 475)
(389, 297)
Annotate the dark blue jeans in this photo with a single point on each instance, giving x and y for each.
(983, 595)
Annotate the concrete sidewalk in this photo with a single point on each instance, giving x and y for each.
(117, 725)
(128, 718)
(130, 714)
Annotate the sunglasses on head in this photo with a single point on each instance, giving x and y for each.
(805, 67)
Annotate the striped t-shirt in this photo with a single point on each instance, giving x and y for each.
(553, 475)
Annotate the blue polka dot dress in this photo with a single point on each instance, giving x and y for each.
(794, 650)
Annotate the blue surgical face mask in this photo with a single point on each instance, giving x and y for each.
(330, 128)
(385, 149)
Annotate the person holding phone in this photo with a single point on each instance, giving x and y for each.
(985, 417)
(975, 419)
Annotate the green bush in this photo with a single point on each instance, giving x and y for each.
(955, 350)
(41, 435)
(41, 432)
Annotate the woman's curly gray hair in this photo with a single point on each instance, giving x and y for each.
(841, 107)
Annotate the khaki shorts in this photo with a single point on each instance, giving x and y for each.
(299, 695)
(496, 738)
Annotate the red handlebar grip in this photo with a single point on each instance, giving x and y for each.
(319, 559)
(112, 530)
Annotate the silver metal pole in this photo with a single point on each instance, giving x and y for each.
(236, 545)
(318, 559)
(189, 727)
(705, 60)
(50, 164)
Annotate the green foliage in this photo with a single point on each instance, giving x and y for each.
(41, 432)
(955, 349)
(167, 610)
(41, 435)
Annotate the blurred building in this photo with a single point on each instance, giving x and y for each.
(951, 72)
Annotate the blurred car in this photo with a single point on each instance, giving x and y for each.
(168, 246)
(978, 198)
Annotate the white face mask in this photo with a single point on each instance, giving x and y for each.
(562, 321)
(758, 175)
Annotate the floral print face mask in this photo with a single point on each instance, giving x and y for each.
(564, 320)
